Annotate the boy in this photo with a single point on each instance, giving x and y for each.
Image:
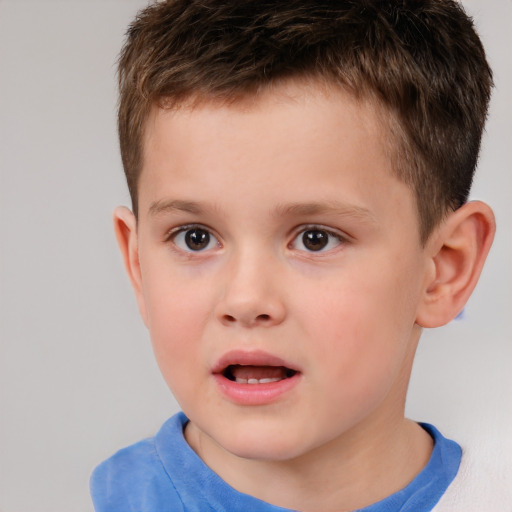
(299, 173)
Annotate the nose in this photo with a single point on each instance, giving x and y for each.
(252, 295)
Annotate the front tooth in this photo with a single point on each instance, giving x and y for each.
(238, 380)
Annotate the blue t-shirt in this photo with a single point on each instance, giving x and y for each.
(163, 474)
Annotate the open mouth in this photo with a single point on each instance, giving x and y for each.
(254, 378)
(251, 374)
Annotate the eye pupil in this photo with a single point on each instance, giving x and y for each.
(197, 239)
(314, 239)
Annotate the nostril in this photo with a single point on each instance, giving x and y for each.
(259, 318)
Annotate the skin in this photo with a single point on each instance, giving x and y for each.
(256, 175)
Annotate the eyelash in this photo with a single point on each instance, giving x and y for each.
(322, 229)
(173, 234)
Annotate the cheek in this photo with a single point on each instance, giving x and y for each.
(178, 312)
(177, 302)
(365, 321)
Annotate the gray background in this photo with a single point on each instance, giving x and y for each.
(77, 376)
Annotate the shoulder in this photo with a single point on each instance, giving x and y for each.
(134, 479)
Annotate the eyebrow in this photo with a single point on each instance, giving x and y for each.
(175, 205)
(327, 208)
(292, 209)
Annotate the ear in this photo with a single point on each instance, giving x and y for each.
(125, 227)
(457, 252)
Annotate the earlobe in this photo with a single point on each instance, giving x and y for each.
(125, 227)
(458, 250)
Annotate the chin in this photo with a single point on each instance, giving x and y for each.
(264, 452)
(259, 444)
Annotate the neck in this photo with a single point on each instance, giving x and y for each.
(349, 473)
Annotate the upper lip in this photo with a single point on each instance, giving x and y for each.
(251, 358)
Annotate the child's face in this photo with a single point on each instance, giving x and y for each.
(276, 243)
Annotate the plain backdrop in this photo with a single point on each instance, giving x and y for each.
(77, 375)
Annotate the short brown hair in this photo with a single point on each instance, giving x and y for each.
(421, 59)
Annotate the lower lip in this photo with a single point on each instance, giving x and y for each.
(256, 394)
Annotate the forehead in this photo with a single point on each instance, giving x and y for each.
(309, 98)
(296, 143)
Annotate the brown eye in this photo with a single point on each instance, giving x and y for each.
(315, 239)
(197, 239)
(194, 239)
